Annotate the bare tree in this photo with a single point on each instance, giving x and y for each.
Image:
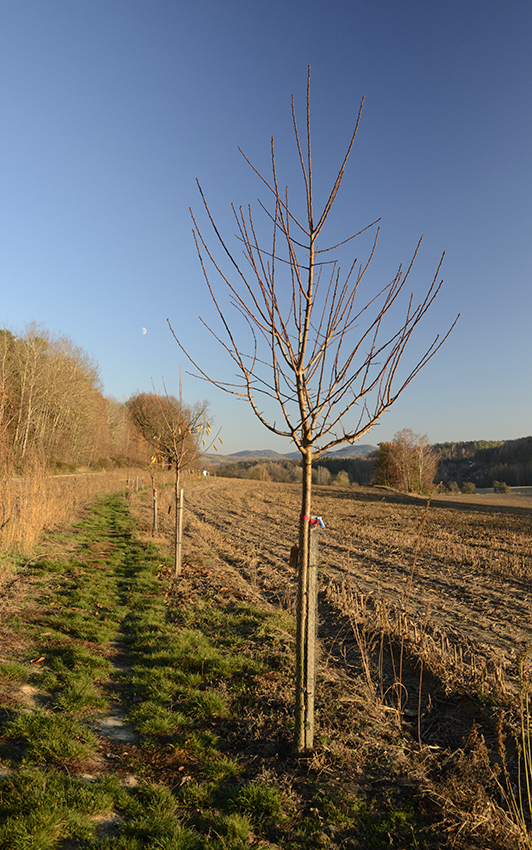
(177, 433)
(407, 463)
(325, 351)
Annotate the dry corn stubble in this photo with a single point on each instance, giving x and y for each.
(449, 597)
(422, 617)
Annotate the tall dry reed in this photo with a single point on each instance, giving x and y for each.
(38, 502)
(517, 791)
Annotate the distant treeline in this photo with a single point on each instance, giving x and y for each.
(478, 462)
(359, 469)
(341, 471)
(283, 471)
(482, 462)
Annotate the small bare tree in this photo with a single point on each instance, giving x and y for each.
(322, 350)
(177, 433)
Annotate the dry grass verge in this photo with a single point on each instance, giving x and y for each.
(39, 502)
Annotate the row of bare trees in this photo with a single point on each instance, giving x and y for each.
(320, 352)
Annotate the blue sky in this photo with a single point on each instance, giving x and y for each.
(111, 110)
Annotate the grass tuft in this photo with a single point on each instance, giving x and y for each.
(12, 671)
(38, 737)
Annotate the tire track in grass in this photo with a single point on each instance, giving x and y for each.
(117, 746)
(64, 784)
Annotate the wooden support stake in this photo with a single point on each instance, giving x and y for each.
(306, 642)
(311, 639)
(155, 524)
(179, 545)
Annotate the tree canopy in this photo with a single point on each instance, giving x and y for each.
(171, 429)
(407, 463)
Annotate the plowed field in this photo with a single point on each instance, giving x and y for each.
(472, 572)
(445, 587)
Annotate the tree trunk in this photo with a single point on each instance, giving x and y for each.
(306, 618)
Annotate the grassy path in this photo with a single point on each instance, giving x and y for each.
(134, 717)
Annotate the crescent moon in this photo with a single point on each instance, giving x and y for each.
(144, 330)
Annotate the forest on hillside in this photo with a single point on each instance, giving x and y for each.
(342, 471)
(482, 462)
(53, 413)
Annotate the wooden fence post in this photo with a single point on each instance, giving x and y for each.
(306, 642)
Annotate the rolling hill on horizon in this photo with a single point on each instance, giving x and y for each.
(356, 450)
